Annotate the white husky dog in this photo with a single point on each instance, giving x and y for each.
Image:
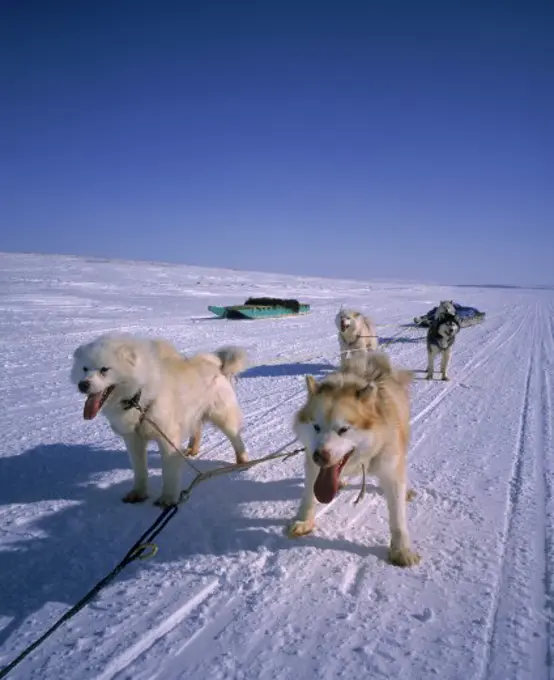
(357, 334)
(117, 373)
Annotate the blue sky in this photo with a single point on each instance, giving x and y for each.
(363, 139)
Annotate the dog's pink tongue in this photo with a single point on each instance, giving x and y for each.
(92, 406)
(327, 484)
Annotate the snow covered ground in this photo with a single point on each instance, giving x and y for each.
(228, 596)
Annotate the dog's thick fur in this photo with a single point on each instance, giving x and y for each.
(441, 337)
(356, 419)
(357, 334)
(178, 393)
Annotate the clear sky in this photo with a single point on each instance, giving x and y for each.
(366, 139)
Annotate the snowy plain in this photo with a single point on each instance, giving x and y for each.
(229, 596)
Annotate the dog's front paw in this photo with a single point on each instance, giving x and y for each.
(403, 557)
(242, 458)
(135, 496)
(166, 501)
(445, 376)
(411, 494)
(300, 528)
(429, 376)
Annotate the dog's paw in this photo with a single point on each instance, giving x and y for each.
(190, 452)
(135, 497)
(429, 376)
(300, 528)
(242, 458)
(165, 501)
(343, 483)
(445, 377)
(411, 494)
(403, 557)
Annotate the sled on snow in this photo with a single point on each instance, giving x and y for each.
(468, 316)
(261, 308)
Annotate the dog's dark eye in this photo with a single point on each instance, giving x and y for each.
(104, 370)
(317, 428)
(342, 430)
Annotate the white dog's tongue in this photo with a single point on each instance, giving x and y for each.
(327, 483)
(92, 406)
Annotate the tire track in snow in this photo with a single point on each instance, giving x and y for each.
(121, 662)
(548, 482)
(513, 641)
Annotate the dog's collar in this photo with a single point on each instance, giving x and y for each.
(133, 402)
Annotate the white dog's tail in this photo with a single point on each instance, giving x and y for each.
(233, 360)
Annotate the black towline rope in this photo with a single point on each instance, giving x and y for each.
(138, 551)
(142, 549)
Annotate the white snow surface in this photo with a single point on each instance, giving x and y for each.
(229, 596)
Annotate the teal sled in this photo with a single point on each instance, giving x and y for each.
(261, 308)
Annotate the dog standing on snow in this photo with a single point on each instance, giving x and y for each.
(441, 337)
(117, 372)
(357, 334)
(355, 419)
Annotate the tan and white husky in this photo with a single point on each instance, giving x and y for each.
(354, 419)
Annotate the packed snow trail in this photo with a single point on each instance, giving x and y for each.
(228, 595)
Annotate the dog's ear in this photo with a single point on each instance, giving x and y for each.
(311, 384)
(127, 354)
(366, 391)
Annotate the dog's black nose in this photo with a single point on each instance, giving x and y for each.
(322, 456)
(84, 386)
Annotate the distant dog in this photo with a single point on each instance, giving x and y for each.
(441, 337)
(352, 420)
(357, 334)
(119, 372)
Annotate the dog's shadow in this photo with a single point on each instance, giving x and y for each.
(59, 554)
(287, 369)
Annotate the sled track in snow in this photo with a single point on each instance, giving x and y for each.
(508, 549)
(548, 481)
(519, 637)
